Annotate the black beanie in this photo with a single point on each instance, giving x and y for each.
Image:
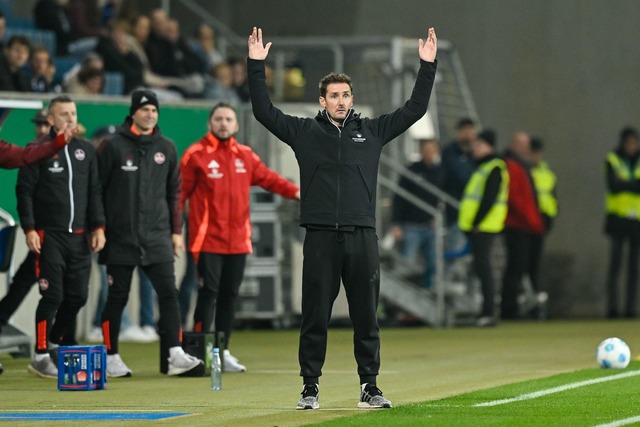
(489, 136)
(142, 97)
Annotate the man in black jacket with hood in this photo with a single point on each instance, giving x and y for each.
(338, 153)
(139, 171)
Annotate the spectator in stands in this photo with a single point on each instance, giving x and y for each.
(90, 82)
(167, 88)
(16, 55)
(219, 223)
(42, 71)
(414, 227)
(220, 85)
(51, 15)
(118, 9)
(240, 81)
(523, 222)
(84, 17)
(157, 44)
(118, 57)
(483, 210)
(204, 45)
(70, 79)
(623, 221)
(457, 166)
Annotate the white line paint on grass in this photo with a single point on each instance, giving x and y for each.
(619, 423)
(558, 389)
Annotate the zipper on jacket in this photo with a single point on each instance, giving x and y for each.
(71, 202)
(339, 160)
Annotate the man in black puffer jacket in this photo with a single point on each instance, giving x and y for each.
(139, 171)
(338, 153)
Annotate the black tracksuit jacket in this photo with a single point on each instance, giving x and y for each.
(338, 166)
(141, 187)
(62, 193)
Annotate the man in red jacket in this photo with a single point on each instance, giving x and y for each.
(523, 222)
(217, 174)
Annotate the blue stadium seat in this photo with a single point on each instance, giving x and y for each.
(37, 37)
(64, 64)
(113, 83)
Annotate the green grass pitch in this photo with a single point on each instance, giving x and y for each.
(432, 376)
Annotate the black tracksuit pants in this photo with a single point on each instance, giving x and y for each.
(518, 245)
(329, 256)
(221, 279)
(616, 257)
(163, 279)
(63, 269)
(482, 249)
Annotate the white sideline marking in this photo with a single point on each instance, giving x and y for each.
(619, 423)
(557, 389)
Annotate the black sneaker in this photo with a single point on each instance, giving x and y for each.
(371, 398)
(309, 398)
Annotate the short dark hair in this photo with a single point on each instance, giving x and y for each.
(221, 105)
(333, 78)
(537, 145)
(60, 99)
(628, 132)
(464, 122)
(19, 39)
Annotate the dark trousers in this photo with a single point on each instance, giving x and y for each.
(20, 286)
(482, 248)
(328, 257)
(615, 263)
(163, 279)
(535, 256)
(63, 269)
(221, 279)
(518, 254)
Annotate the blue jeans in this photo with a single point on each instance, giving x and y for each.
(419, 241)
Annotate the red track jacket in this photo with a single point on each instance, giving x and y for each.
(216, 178)
(523, 213)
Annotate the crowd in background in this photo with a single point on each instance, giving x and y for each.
(148, 50)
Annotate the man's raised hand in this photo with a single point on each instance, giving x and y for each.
(257, 50)
(427, 49)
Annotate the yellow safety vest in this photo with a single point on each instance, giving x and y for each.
(624, 204)
(472, 196)
(545, 182)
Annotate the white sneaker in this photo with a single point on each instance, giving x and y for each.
(231, 363)
(94, 335)
(44, 368)
(116, 367)
(182, 362)
(150, 332)
(134, 334)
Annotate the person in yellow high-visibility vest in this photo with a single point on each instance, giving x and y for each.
(544, 181)
(483, 210)
(623, 220)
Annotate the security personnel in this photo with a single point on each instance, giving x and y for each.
(623, 219)
(544, 180)
(482, 215)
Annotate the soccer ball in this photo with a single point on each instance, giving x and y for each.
(613, 353)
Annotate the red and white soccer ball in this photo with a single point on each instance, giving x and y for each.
(613, 353)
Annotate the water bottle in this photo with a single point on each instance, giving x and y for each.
(216, 370)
